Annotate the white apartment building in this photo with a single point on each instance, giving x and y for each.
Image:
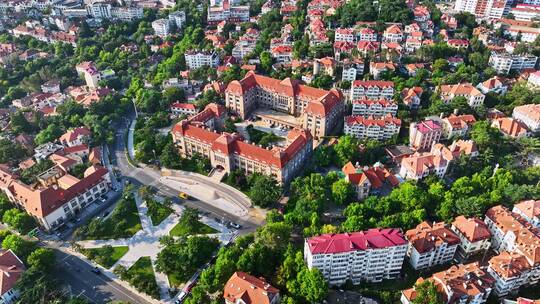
(431, 245)
(474, 236)
(178, 18)
(369, 107)
(344, 34)
(529, 115)
(161, 27)
(525, 12)
(458, 126)
(371, 255)
(382, 128)
(529, 210)
(367, 34)
(196, 59)
(127, 13)
(349, 73)
(503, 63)
(372, 89)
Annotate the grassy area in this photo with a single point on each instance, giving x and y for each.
(199, 228)
(106, 256)
(175, 280)
(123, 222)
(157, 211)
(141, 276)
(262, 138)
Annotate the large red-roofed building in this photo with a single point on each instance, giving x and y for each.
(320, 110)
(229, 151)
(371, 255)
(247, 289)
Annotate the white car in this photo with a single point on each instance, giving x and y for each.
(181, 297)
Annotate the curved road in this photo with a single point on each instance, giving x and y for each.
(253, 217)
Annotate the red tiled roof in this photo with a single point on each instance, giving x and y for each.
(364, 240)
(426, 237)
(11, 268)
(473, 228)
(248, 289)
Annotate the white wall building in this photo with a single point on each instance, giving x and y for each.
(372, 89)
(431, 245)
(178, 18)
(372, 128)
(368, 107)
(529, 115)
(162, 27)
(371, 255)
(196, 59)
(503, 63)
(474, 236)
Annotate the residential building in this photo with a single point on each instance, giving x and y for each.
(412, 97)
(529, 115)
(493, 9)
(58, 196)
(75, 137)
(247, 289)
(378, 68)
(90, 72)
(511, 271)
(320, 110)
(431, 244)
(510, 127)
(529, 210)
(325, 66)
(474, 97)
(534, 80)
(229, 152)
(51, 86)
(455, 150)
(420, 165)
(367, 34)
(457, 125)
(493, 85)
(377, 107)
(526, 12)
(521, 300)
(12, 268)
(179, 108)
(228, 12)
(178, 18)
(503, 63)
(282, 53)
(196, 59)
(518, 243)
(393, 33)
(459, 284)
(369, 180)
(424, 134)
(474, 236)
(371, 255)
(372, 89)
(369, 127)
(161, 27)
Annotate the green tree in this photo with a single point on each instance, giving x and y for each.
(342, 192)
(426, 293)
(313, 285)
(346, 149)
(19, 246)
(42, 258)
(263, 190)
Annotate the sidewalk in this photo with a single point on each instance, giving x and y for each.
(130, 147)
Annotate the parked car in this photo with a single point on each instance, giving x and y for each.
(96, 270)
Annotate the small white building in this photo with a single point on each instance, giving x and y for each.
(474, 236)
(529, 115)
(162, 27)
(196, 59)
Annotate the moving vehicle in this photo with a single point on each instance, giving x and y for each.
(181, 297)
(96, 270)
(235, 225)
(183, 195)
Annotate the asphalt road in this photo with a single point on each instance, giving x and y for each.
(148, 176)
(78, 277)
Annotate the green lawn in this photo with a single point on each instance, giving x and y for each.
(181, 230)
(141, 276)
(104, 256)
(123, 222)
(176, 280)
(157, 211)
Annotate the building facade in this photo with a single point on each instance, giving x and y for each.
(431, 244)
(424, 134)
(371, 255)
(382, 128)
(474, 236)
(197, 59)
(319, 110)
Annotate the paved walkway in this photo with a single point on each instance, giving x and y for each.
(145, 243)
